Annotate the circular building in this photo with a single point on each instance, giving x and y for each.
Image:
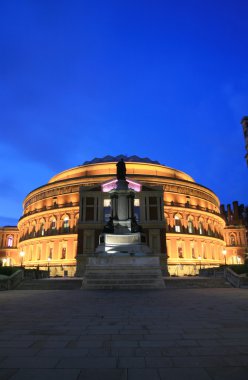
(194, 227)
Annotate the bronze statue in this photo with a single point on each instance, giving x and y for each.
(121, 170)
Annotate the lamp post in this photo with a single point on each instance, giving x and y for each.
(199, 258)
(22, 254)
(48, 265)
(4, 262)
(224, 254)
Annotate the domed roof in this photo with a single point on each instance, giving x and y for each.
(105, 168)
(109, 158)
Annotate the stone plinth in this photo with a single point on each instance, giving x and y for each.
(123, 272)
(123, 245)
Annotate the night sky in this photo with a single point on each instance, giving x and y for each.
(84, 79)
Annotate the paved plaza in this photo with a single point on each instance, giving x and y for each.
(124, 335)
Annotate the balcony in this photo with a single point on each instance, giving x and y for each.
(48, 208)
(49, 232)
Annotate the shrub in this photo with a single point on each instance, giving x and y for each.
(8, 271)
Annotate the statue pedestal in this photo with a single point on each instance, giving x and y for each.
(123, 245)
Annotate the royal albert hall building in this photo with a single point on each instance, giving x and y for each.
(47, 230)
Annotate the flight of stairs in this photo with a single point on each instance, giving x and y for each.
(123, 278)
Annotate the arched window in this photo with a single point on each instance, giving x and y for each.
(177, 224)
(53, 224)
(210, 229)
(200, 228)
(42, 229)
(232, 240)
(190, 226)
(33, 230)
(66, 223)
(10, 241)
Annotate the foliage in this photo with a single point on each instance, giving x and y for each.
(239, 268)
(8, 271)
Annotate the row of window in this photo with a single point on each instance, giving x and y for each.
(50, 254)
(190, 227)
(194, 255)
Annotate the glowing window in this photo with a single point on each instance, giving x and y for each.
(177, 224)
(232, 240)
(190, 227)
(53, 224)
(66, 222)
(200, 228)
(10, 241)
(42, 229)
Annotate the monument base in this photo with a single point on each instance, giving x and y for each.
(123, 272)
(123, 245)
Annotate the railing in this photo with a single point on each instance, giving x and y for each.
(47, 208)
(238, 281)
(195, 207)
(12, 281)
(184, 230)
(49, 232)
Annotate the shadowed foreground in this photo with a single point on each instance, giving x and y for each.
(126, 335)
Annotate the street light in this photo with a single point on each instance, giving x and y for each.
(22, 254)
(224, 253)
(4, 262)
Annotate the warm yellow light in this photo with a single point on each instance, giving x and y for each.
(224, 252)
(22, 253)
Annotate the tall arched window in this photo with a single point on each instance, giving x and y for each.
(53, 224)
(232, 240)
(177, 224)
(10, 241)
(200, 228)
(42, 228)
(66, 223)
(190, 226)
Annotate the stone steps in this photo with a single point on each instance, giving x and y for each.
(122, 278)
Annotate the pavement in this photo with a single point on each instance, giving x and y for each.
(124, 335)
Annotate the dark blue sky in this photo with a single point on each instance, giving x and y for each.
(83, 79)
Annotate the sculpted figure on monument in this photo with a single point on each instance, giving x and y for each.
(121, 169)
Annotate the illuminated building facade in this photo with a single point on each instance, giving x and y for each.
(9, 237)
(235, 232)
(48, 228)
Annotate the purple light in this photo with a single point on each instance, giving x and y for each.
(106, 187)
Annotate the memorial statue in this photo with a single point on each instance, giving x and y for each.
(121, 170)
